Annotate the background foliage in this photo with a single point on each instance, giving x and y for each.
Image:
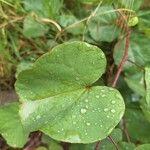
(30, 28)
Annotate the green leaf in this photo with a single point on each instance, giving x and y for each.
(146, 102)
(143, 147)
(46, 8)
(133, 5)
(10, 125)
(23, 66)
(105, 144)
(58, 97)
(66, 20)
(147, 80)
(138, 50)
(102, 27)
(139, 54)
(126, 146)
(136, 83)
(32, 28)
(144, 24)
(133, 117)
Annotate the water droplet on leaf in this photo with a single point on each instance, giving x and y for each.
(88, 124)
(106, 109)
(113, 111)
(83, 110)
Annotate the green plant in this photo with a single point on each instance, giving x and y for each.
(81, 72)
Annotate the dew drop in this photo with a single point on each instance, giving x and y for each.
(102, 55)
(83, 110)
(74, 122)
(113, 111)
(77, 78)
(106, 109)
(103, 95)
(113, 102)
(118, 96)
(86, 100)
(88, 45)
(107, 116)
(88, 124)
(101, 125)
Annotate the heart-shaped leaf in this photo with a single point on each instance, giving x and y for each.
(10, 125)
(58, 97)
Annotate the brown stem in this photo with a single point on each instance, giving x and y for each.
(97, 145)
(34, 141)
(124, 58)
(113, 142)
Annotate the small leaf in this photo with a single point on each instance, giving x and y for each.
(11, 127)
(32, 28)
(58, 97)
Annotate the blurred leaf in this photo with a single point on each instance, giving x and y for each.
(138, 50)
(143, 147)
(11, 127)
(132, 4)
(136, 83)
(135, 120)
(102, 27)
(146, 102)
(66, 20)
(44, 8)
(138, 54)
(126, 146)
(144, 23)
(32, 28)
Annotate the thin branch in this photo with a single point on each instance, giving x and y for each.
(113, 142)
(137, 65)
(46, 20)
